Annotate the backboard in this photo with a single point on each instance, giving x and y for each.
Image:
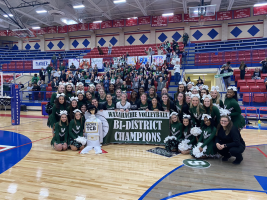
(202, 10)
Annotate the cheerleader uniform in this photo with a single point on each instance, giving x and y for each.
(191, 139)
(236, 117)
(142, 106)
(176, 130)
(68, 95)
(159, 107)
(196, 118)
(80, 103)
(55, 117)
(101, 101)
(61, 134)
(53, 97)
(220, 104)
(172, 107)
(215, 114)
(75, 130)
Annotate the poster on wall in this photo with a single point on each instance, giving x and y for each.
(224, 15)
(73, 28)
(11, 33)
(118, 23)
(126, 127)
(175, 18)
(94, 26)
(159, 59)
(78, 62)
(131, 21)
(131, 60)
(242, 13)
(159, 21)
(3, 33)
(63, 29)
(144, 20)
(52, 29)
(144, 59)
(190, 19)
(83, 27)
(260, 10)
(98, 62)
(39, 64)
(106, 24)
(42, 31)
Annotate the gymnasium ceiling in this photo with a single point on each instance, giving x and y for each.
(105, 10)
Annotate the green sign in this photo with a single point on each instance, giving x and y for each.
(193, 163)
(139, 127)
(223, 75)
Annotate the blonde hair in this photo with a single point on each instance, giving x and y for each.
(67, 122)
(198, 106)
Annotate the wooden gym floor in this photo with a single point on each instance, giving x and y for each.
(125, 172)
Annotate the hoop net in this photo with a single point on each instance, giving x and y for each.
(24, 34)
(201, 20)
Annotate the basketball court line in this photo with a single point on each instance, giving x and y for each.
(20, 124)
(25, 116)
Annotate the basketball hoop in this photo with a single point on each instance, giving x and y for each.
(201, 20)
(26, 39)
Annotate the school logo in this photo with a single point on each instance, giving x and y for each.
(193, 163)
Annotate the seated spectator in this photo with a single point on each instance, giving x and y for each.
(21, 85)
(256, 74)
(72, 67)
(109, 49)
(264, 66)
(36, 89)
(54, 84)
(124, 87)
(100, 51)
(35, 79)
(161, 84)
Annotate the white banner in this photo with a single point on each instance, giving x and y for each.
(39, 64)
(78, 62)
(159, 59)
(131, 60)
(98, 62)
(145, 59)
(173, 62)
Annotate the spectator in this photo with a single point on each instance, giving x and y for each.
(264, 66)
(49, 70)
(127, 54)
(54, 61)
(160, 51)
(184, 55)
(6, 88)
(21, 85)
(168, 56)
(150, 52)
(35, 79)
(62, 68)
(60, 58)
(256, 74)
(42, 88)
(175, 45)
(161, 84)
(227, 64)
(135, 85)
(124, 87)
(95, 70)
(128, 81)
(63, 76)
(177, 72)
(57, 73)
(265, 81)
(100, 51)
(149, 84)
(109, 49)
(72, 67)
(54, 84)
(106, 84)
(42, 74)
(242, 68)
(227, 79)
(29, 88)
(185, 39)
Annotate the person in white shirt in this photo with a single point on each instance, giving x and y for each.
(123, 105)
(177, 72)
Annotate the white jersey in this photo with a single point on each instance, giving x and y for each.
(124, 107)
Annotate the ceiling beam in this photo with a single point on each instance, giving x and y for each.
(231, 2)
(217, 3)
(4, 20)
(141, 7)
(25, 14)
(99, 9)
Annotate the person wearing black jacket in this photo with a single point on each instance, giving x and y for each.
(42, 74)
(181, 106)
(154, 105)
(35, 88)
(167, 104)
(256, 74)
(54, 84)
(63, 76)
(227, 79)
(143, 104)
(229, 141)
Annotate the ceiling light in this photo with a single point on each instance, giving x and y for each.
(36, 27)
(97, 21)
(260, 4)
(79, 6)
(132, 18)
(10, 15)
(167, 14)
(119, 1)
(41, 11)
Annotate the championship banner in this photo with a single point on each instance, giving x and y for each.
(224, 15)
(144, 59)
(98, 62)
(139, 127)
(131, 60)
(159, 59)
(242, 13)
(223, 75)
(39, 64)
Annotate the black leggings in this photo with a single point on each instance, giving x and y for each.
(232, 151)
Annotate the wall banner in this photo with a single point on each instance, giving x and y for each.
(98, 62)
(139, 127)
(159, 59)
(78, 62)
(131, 60)
(144, 59)
(39, 64)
